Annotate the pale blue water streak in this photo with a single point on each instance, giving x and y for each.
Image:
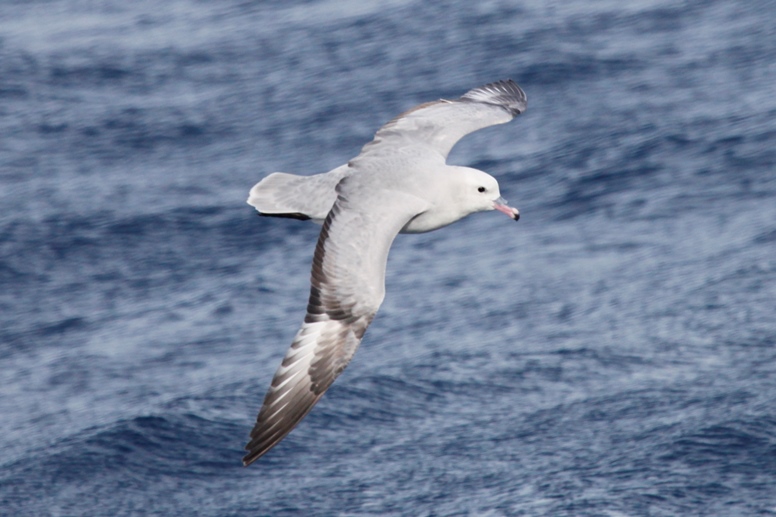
(610, 354)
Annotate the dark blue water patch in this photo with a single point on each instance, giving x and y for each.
(126, 455)
(150, 446)
(746, 447)
(117, 258)
(576, 67)
(135, 128)
(68, 237)
(622, 472)
(592, 193)
(114, 120)
(766, 237)
(191, 221)
(15, 70)
(135, 71)
(646, 21)
(9, 273)
(144, 129)
(12, 91)
(662, 19)
(592, 188)
(100, 74)
(63, 326)
(18, 337)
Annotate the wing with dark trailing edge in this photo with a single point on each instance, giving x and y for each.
(441, 124)
(347, 288)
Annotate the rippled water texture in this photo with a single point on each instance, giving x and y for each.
(612, 354)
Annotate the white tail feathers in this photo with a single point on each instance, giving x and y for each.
(300, 197)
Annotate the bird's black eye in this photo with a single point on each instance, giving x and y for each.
(481, 189)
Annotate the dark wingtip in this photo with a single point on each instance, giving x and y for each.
(258, 448)
(250, 458)
(504, 93)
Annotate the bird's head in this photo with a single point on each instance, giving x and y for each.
(478, 192)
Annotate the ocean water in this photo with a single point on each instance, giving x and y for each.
(611, 354)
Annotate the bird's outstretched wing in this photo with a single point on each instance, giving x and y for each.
(348, 286)
(440, 124)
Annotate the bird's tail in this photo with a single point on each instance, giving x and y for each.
(299, 197)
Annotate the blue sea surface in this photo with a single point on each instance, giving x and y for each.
(611, 354)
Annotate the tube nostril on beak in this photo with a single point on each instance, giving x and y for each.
(501, 205)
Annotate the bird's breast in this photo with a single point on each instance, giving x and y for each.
(432, 219)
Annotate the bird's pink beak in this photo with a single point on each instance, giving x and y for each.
(501, 205)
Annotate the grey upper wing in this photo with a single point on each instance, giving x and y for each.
(440, 124)
(348, 286)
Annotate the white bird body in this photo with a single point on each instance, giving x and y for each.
(399, 183)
